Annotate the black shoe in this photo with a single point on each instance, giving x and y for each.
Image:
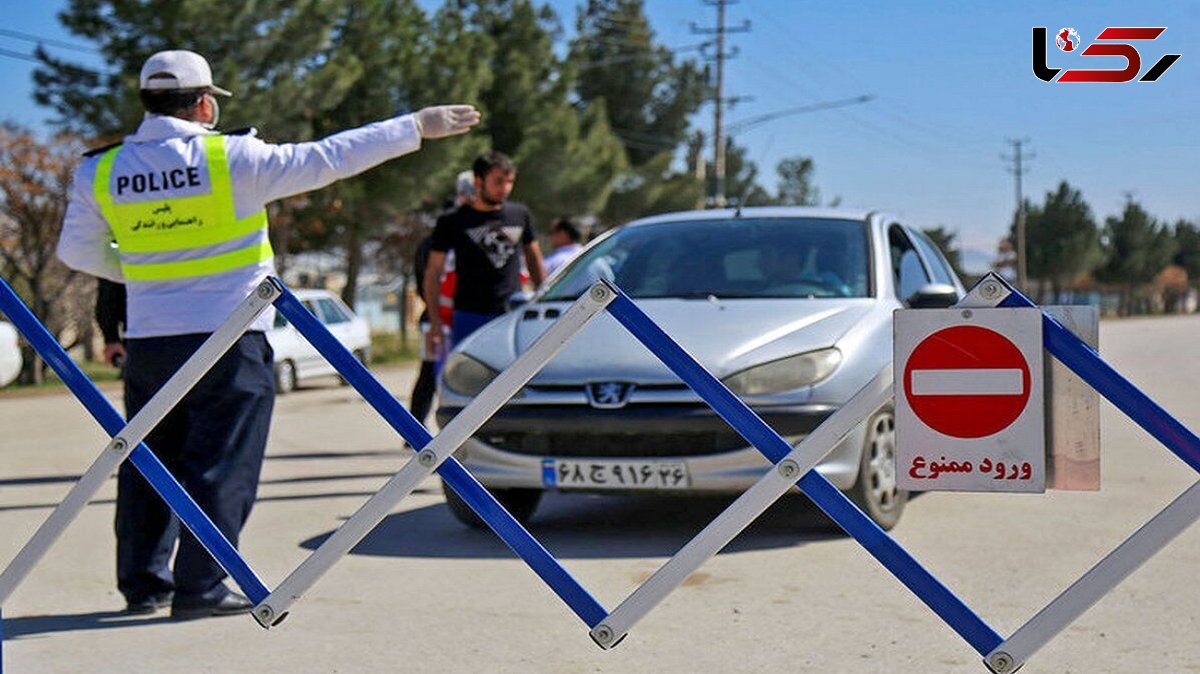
(150, 604)
(232, 603)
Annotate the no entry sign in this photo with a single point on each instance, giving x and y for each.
(969, 410)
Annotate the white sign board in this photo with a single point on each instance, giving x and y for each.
(969, 400)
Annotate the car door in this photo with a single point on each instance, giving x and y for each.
(908, 270)
(935, 261)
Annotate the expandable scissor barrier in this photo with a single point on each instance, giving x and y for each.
(792, 467)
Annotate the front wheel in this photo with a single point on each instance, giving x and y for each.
(285, 377)
(519, 502)
(876, 492)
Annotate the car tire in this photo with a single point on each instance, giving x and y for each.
(520, 502)
(285, 377)
(875, 491)
(359, 355)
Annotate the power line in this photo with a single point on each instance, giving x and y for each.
(751, 122)
(640, 56)
(19, 56)
(38, 39)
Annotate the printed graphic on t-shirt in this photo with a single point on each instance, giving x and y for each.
(499, 243)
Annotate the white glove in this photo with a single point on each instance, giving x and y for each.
(440, 121)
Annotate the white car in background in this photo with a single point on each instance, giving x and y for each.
(10, 354)
(296, 360)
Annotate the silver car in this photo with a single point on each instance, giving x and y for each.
(790, 307)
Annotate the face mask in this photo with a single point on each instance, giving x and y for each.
(216, 112)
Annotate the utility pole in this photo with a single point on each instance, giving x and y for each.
(719, 99)
(1018, 169)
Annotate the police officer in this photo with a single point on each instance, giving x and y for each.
(186, 207)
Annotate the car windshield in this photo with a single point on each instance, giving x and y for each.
(742, 258)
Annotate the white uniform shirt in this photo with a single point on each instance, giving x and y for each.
(260, 173)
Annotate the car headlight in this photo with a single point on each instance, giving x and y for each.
(785, 374)
(466, 376)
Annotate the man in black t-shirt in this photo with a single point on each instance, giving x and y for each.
(485, 234)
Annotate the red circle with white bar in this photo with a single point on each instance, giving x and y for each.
(967, 381)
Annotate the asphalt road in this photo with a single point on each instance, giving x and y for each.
(424, 594)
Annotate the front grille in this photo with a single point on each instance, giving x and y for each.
(615, 444)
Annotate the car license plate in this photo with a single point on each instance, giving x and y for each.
(571, 474)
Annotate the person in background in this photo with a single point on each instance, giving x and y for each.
(421, 399)
(187, 208)
(485, 235)
(567, 240)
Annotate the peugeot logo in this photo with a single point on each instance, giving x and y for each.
(609, 395)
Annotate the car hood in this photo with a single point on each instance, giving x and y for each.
(724, 336)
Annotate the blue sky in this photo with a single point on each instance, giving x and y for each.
(951, 81)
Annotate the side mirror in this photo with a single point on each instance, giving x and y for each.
(519, 298)
(933, 296)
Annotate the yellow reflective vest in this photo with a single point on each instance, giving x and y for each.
(199, 233)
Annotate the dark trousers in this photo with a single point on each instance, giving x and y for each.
(422, 394)
(212, 442)
(466, 322)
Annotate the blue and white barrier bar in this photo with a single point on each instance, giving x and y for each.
(142, 458)
(435, 453)
(884, 548)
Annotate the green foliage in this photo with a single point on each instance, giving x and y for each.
(569, 162)
(796, 182)
(391, 347)
(268, 52)
(1187, 241)
(1136, 247)
(526, 79)
(1062, 238)
(741, 178)
(653, 188)
(567, 159)
(649, 96)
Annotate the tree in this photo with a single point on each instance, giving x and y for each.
(741, 178)
(651, 189)
(426, 62)
(570, 162)
(796, 182)
(944, 239)
(1136, 249)
(269, 54)
(1187, 241)
(566, 160)
(1062, 238)
(648, 95)
(35, 180)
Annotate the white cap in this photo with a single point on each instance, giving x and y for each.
(178, 69)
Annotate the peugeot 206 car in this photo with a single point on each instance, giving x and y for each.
(790, 307)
